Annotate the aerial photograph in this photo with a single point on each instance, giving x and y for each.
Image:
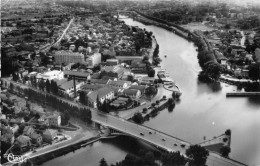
(130, 83)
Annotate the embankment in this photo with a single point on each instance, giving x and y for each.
(196, 37)
(39, 159)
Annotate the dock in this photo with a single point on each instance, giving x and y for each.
(242, 94)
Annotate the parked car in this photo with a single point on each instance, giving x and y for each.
(163, 139)
(150, 132)
(141, 134)
(182, 145)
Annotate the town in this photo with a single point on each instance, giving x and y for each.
(69, 68)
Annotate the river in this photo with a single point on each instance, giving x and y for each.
(203, 110)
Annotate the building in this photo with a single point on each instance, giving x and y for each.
(94, 59)
(50, 75)
(7, 135)
(68, 87)
(28, 131)
(54, 120)
(36, 139)
(133, 93)
(84, 76)
(100, 95)
(138, 87)
(49, 135)
(112, 62)
(90, 87)
(24, 142)
(67, 57)
(119, 84)
(147, 80)
(100, 82)
(112, 71)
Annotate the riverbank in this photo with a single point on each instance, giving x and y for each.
(41, 158)
(205, 50)
(202, 103)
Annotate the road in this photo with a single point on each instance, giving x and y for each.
(156, 138)
(54, 43)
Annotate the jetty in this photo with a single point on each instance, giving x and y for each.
(242, 94)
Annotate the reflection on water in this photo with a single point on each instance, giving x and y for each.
(254, 101)
(204, 109)
(113, 150)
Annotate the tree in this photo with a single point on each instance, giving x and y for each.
(225, 150)
(82, 97)
(156, 61)
(138, 118)
(41, 84)
(172, 159)
(228, 132)
(103, 162)
(149, 158)
(151, 73)
(254, 72)
(145, 110)
(150, 91)
(198, 154)
(48, 86)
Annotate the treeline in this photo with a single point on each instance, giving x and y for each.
(211, 69)
(55, 102)
(207, 60)
(168, 25)
(145, 158)
(249, 23)
(156, 59)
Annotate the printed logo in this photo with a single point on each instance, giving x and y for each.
(15, 158)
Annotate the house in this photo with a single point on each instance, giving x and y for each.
(101, 95)
(20, 120)
(36, 139)
(60, 82)
(147, 80)
(141, 88)
(28, 131)
(90, 87)
(48, 135)
(119, 84)
(113, 71)
(44, 119)
(7, 135)
(80, 76)
(54, 120)
(24, 142)
(99, 82)
(68, 87)
(50, 75)
(112, 62)
(109, 78)
(14, 128)
(133, 93)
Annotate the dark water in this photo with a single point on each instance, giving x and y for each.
(113, 150)
(203, 110)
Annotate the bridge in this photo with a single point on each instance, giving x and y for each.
(120, 126)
